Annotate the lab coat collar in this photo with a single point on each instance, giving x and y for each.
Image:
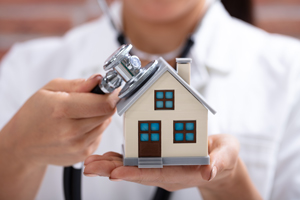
(213, 41)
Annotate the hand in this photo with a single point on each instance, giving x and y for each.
(61, 124)
(223, 151)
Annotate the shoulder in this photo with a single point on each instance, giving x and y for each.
(34, 63)
(269, 62)
(270, 59)
(224, 42)
(37, 50)
(265, 47)
(30, 65)
(55, 55)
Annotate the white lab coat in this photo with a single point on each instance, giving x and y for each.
(250, 77)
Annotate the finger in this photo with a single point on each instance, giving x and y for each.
(223, 156)
(90, 83)
(207, 170)
(138, 175)
(85, 125)
(102, 167)
(76, 85)
(107, 156)
(168, 174)
(88, 145)
(85, 105)
(93, 135)
(94, 145)
(85, 140)
(113, 154)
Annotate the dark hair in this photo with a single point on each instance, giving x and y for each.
(241, 9)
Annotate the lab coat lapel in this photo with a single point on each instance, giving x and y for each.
(211, 52)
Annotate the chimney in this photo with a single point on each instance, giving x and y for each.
(183, 66)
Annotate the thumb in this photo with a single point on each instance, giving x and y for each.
(223, 152)
(209, 172)
(89, 84)
(75, 85)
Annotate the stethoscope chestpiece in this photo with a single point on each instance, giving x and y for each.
(116, 58)
(136, 83)
(122, 66)
(123, 63)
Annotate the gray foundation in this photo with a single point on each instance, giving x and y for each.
(159, 162)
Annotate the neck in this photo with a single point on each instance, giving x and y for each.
(158, 37)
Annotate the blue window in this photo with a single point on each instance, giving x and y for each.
(144, 137)
(159, 104)
(149, 131)
(178, 126)
(144, 127)
(189, 126)
(189, 136)
(159, 95)
(184, 131)
(154, 126)
(169, 95)
(164, 100)
(169, 104)
(178, 136)
(154, 137)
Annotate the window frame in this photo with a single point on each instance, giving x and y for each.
(184, 131)
(164, 100)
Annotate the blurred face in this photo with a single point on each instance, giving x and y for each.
(160, 10)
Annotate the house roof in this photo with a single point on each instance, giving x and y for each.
(125, 103)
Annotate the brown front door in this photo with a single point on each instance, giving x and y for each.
(149, 138)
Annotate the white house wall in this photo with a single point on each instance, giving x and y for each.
(187, 107)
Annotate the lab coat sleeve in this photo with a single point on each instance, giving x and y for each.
(11, 82)
(23, 70)
(286, 183)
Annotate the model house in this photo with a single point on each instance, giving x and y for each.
(165, 121)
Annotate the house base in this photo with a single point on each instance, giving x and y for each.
(159, 162)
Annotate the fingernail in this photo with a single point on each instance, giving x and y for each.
(95, 76)
(90, 175)
(115, 179)
(213, 173)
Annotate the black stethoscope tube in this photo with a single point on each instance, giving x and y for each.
(72, 183)
(72, 176)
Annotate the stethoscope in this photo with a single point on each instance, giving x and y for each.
(121, 67)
